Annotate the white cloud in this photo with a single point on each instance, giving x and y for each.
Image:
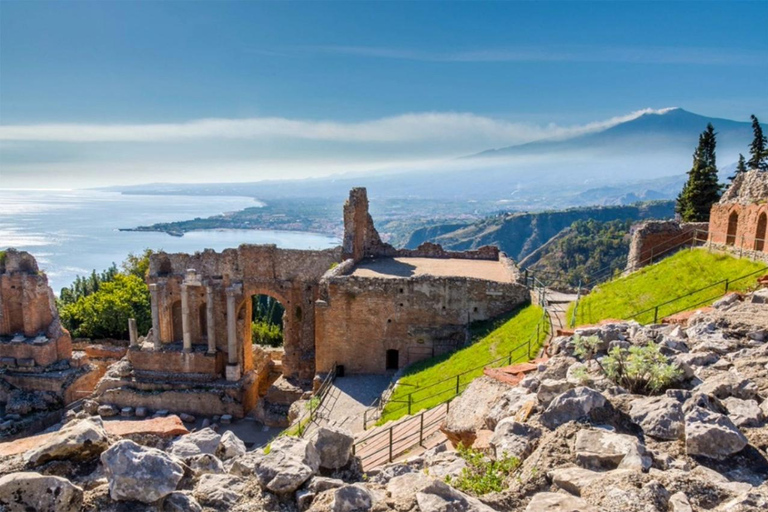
(406, 128)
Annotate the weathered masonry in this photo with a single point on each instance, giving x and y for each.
(739, 221)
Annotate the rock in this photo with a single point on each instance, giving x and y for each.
(205, 463)
(187, 418)
(141, 412)
(508, 404)
(126, 412)
(600, 450)
(748, 502)
(107, 411)
(206, 423)
(407, 485)
(221, 491)
(550, 388)
(556, 502)
(33, 492)
(80, 440)
(138, 473)
(230, 446)
(334, 446)
(351, 498)
(384, 474)
(470, 410)
(181, 502)
(438, 496)
(572, 405)
(659, 417)
(678, 502)
(514, 439)
(226, 419)
(711, 435)
(726, 301)
(759, 296)
(727, 384)
(743, 413)
(91, 407)
(202, 441)
(574, 480)
(290, 462)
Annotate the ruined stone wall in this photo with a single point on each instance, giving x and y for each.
(360, 319)
(654, 240)
(740, 218)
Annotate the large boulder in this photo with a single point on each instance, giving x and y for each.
(514, 439)
(181, 502)
(28, 491)
(80, 440)
(470, 410)
(550, 388)
(334, 446)
(572, 405)
(230, 446)
(351, 498)
(712, 435)
(743, 413)
(220, 491)
(291, 462)
(438, 496)
(556, 502)
(659, 417)
(599, 449)
(196, 443)
(508, 404)
(726, 384)
(138, 473)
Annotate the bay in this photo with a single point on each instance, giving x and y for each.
(72, 232)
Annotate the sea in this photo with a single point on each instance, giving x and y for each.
(72, 232)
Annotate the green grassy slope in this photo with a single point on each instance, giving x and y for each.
(433, 381)
(673, 277)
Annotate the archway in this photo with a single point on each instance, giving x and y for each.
(733, 226)
(761, 232)
(267, 321)
(177, 329)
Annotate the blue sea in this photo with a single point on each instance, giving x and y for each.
(72, 232)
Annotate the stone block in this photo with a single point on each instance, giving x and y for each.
(8, 362)
(25, 363)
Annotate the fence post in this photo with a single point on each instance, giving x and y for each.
(457, 384)
(529, 348)
(390, 444)
(510, 358)
(727, 282)
(741, 246)
(656, 315)
(421, 430)
(410, 399)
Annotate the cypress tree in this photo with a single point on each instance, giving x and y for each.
(702, 189)
(741, 168)
(759, 147)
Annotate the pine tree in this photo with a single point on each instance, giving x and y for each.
(759, 147)
(741, 168)
(702, 189)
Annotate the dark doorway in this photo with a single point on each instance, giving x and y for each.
(733, 227)
(762, 223)
(393, 359)
(176, 324)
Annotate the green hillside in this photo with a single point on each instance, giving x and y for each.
(433, 381)
(685, 272)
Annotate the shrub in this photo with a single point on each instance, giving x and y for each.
(482, 474)
(586, 347)
(264, 333)
(640, 369)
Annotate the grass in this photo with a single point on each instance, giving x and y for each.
(673, 277)
(433, 381)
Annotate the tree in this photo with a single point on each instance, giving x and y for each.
(137, 264)
(759, 147)
(702, 189)
(741, 168)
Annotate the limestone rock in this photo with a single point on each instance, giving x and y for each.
(290, 462)
(659, 417)
(407, 485)
(727, 384)
(334, 446)
(469, 411)
(743, 413)
(181, 502)
(556, 502)
(678, 502)
(28, 491)
(747, 502)
(79, 440)
(514, 439)
(107, 411)
(205, 463)
(351, 498)
(550, 388)
(441, 497)
(138, 473)
(230, 446)
(572, 405)
(508, 404)
(220, 491)
(600, 450)
(712, 435)
(574, 479)
(196, 443)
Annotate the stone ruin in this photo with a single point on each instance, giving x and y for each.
(39, 372)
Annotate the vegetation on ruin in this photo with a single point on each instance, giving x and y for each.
(676, 276)
(640, 369)
(433, 381)
(267, 322)
(482, 474)
(2, 260)
(99, 306)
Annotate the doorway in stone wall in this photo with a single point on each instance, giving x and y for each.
(393, 359)
(267, 321)
(762, 232)
(733, 227)
(176, 322)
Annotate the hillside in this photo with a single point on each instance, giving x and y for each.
(519, 234)
(686, 272)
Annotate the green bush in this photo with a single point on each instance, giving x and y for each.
(264, 333)
(640, 369)
(482, 474)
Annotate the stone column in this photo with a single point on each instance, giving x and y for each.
(155, 302)
(132, 334)
(185, 318)
(209, 313)
(233, 367)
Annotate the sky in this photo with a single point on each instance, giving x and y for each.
(124, 92)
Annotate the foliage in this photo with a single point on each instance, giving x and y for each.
(741, 168)
(586, 347)
(432, 381)
(313, 403)
(590, 247)
(267, 321)
(85, 286)
(105, 312)
(758, 149)
(137, 264)
(692, 270)
(3, 256)
(263, 333)
(640, 369)
(702, 189)
(482, 474)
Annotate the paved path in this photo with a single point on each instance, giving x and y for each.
(558, 308)
(348, 399)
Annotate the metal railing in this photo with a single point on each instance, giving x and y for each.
(309, 418)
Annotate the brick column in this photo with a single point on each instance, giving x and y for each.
(210, 318)
(155, 302)
(186, 328)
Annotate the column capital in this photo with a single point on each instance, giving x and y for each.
(235, 290)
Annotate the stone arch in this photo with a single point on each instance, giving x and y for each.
(733, 228)
(761, 232)
(177, 330)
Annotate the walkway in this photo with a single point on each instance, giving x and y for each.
(347, 400)
(559, 303)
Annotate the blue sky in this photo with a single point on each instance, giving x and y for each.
(342, 84)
